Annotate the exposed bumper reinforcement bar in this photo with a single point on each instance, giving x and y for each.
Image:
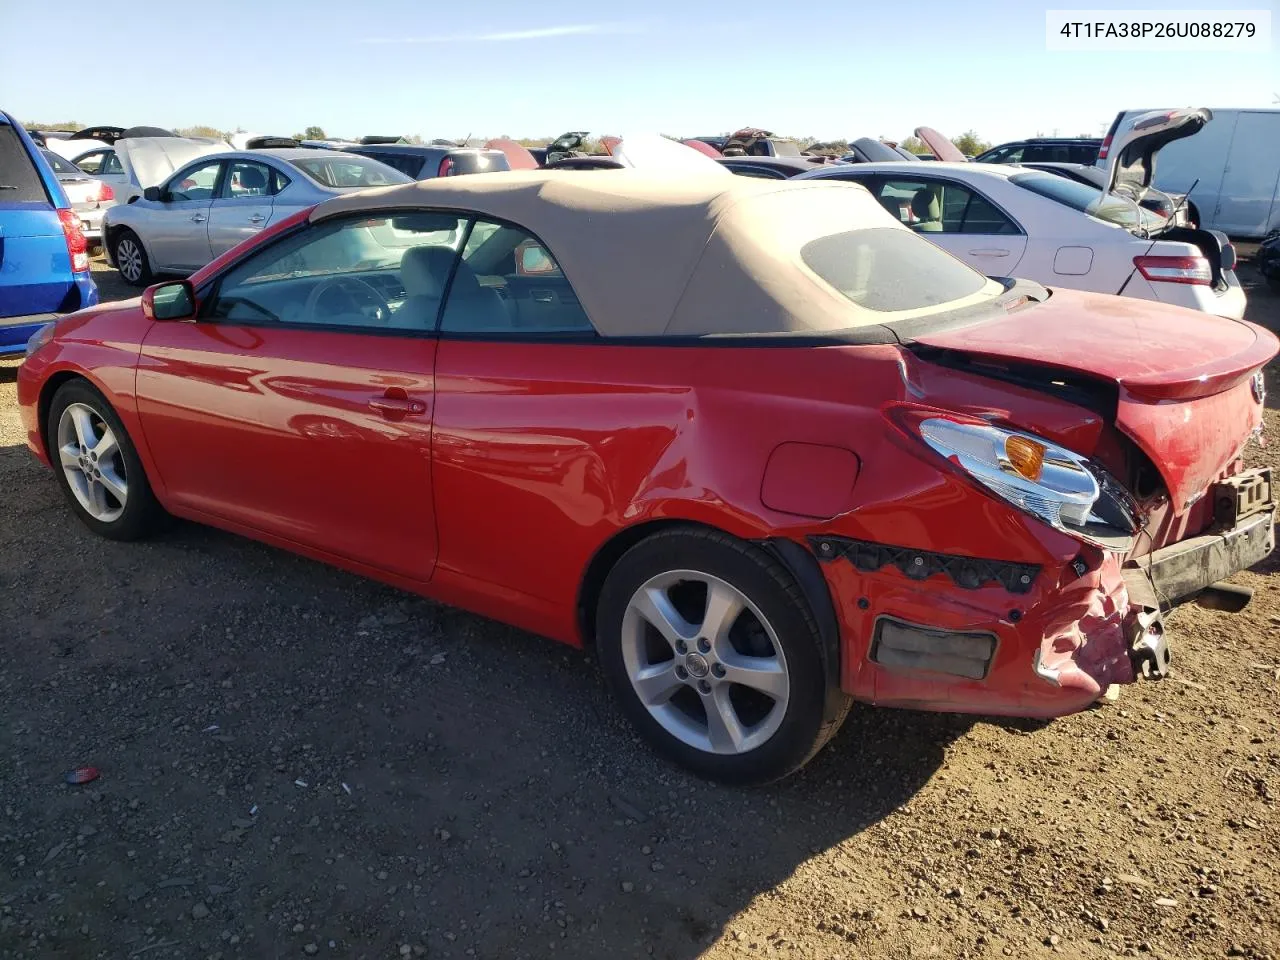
(1181, 570)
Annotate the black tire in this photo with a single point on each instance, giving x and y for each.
(142, 513)
(127, 237)
(771, 588)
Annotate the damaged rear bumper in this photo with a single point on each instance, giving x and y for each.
(921, 631)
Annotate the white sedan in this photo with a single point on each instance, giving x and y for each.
(1008, 221)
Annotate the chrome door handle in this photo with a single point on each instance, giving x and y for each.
(199, 218)
(257, 218)
(397, 407)
(988, 253)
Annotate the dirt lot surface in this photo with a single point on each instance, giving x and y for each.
(297, 762)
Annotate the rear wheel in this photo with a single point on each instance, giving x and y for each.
(97, 466)
(712, 651)
(131, 259)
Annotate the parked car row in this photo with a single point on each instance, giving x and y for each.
(1060, 223)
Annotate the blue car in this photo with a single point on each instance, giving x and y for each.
(44, 257)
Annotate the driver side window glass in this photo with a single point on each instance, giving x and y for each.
(195, 183)
(377, 273)
(92, 163)
(247, 179)
(111, 164)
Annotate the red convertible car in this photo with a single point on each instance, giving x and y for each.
(763, 447)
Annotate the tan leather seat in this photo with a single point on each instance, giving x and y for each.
(927, 211)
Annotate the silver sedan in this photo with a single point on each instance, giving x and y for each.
(214, 202)
(89, 196)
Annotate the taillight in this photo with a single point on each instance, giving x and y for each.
(446, 167)
(1175, 269)
(77, 245)
(105, 192)
(1105, 148)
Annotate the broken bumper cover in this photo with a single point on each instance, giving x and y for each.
(963, 636)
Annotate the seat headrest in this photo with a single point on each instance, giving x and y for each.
(924, 205)
(425, 270)
(252, 178)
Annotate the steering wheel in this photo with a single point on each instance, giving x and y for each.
(357, 294)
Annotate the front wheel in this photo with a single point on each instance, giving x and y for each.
(713, 653)
(97, 466)
(131, 259)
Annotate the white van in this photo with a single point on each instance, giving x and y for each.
(1236, 158)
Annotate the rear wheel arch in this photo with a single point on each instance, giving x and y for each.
(755, 570)
(610, 552)
(799, 563)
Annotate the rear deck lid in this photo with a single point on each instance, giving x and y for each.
(869, 150)
(1184, 393)
(1135, 144)
(942, 148)
(518, 155)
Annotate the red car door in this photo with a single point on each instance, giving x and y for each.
(322, 438)
(299, 404)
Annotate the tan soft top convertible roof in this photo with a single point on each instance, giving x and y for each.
(657, 254)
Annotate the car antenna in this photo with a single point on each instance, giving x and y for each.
(1178, 206)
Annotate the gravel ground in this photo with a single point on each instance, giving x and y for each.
(295, 761)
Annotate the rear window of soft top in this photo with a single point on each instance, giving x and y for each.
(890, 270)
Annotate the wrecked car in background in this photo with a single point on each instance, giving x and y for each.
(956, 493)
(1007, 220)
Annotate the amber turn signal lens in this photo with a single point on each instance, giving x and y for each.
(1026, 456)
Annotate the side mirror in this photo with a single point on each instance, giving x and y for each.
(175, 300)
(153, 194)
(532, 261)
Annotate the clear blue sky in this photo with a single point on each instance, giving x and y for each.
(827, 68)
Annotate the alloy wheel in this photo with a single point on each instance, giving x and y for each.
(129, 260)
(705, 662)
(91, 459)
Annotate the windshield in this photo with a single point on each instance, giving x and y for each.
(345, 172)
(60, 165)
(890, 270)
(1090, 200)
